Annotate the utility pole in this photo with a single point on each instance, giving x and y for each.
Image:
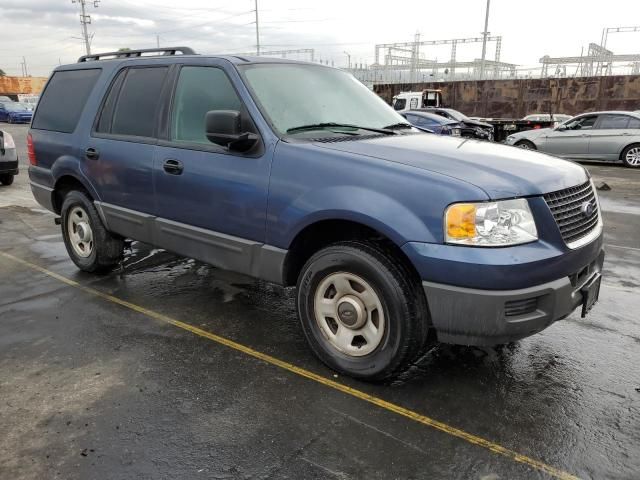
(25, 73)
(84, 21)
(158, 41)
(257, 30)
(485, 34)
(348, 59)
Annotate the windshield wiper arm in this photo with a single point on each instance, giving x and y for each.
(318, 126)
(396, 126)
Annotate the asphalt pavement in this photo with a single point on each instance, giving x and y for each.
(169, 368)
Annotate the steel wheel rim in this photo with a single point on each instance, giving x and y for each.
(633, 156)
(357, 333)
(80, 232)
(524, 145)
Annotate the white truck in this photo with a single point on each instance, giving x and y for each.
(406, 101)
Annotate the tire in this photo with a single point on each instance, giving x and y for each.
(631, 156)
(400, 310)
(6, 179)
(526, 144)
(102, 251)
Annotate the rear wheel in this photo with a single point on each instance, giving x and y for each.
(6, 179)
(631, 156)
(363, 313)
(91, 247)
(526, 144)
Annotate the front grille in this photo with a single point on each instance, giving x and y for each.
(513, 308)
(567, 209)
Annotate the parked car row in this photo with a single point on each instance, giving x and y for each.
(446, 121)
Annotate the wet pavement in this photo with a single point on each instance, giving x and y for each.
(93, 388)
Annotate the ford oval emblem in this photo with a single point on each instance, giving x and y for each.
(587, 208)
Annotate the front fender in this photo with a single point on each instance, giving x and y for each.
(365, 206)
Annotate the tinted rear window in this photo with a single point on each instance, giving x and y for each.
(135, 111)
(62, 102)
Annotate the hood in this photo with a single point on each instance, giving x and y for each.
(500, 170)
(532, 134)
(477, 123)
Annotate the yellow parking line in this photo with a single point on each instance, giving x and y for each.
(405, 412)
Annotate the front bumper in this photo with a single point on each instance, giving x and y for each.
(8, 167)
(470, 316)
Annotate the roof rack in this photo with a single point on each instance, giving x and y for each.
(137, 53)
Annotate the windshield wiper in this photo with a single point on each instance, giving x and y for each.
(318, 126)
(397, 126)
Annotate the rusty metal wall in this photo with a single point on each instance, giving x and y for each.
(517, 98)
(25, 85)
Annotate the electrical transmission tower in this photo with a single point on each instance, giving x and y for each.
(86, 20)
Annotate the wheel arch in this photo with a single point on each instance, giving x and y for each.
(323, 232)
(624, 149)
(64, 184)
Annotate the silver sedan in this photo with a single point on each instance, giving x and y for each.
(609, 136)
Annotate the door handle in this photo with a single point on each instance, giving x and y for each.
(173, 167)
(91, 153)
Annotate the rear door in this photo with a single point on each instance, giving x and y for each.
(572, 142)
(121, 149)
(610, 135)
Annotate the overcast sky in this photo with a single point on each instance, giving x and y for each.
(47, 32)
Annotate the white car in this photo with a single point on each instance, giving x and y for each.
(8, 158)
(606, 136)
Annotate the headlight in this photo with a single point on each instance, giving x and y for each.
(490, 224)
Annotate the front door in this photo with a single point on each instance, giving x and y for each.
(211, 203)
(572, 142)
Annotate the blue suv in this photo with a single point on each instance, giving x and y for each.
(297, 174)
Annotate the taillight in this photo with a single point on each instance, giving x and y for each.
(31, 152)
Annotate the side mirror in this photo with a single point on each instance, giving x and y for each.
(561, 128)
(224, 127)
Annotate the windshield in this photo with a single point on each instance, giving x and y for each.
(460, 117)
(294, 95)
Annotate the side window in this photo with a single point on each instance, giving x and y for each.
(135, 110)
(634, 122)
(199, 90)
(63, 100)
(103, 124)
(584, 123)
(413, 103)
(400, 103)
(613, 122)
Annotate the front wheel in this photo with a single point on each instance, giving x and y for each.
(363, 313)
(6, 179)
(526, 144)
(91, 247)
(631, 156)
